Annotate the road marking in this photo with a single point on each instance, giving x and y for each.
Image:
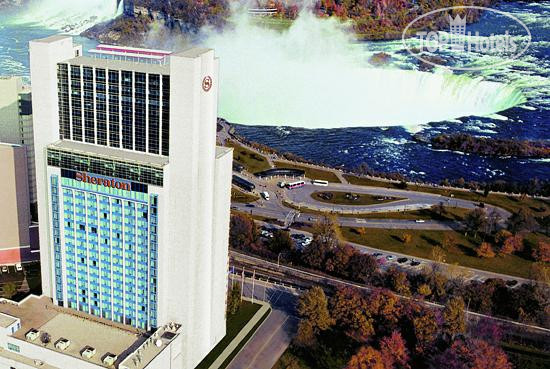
(359, 220)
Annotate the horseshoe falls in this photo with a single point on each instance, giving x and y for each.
(68, 16)
(314, 75)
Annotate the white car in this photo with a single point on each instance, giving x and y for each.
(420, 221)
(265, 195)
(390, 257)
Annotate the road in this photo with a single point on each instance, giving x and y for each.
(274, 335)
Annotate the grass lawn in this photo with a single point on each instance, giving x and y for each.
(510, 203)
(234, 324)
(454, 214)
(277, 24)
(311, 173)
(364, 199)
(242, 197)
(252, 161)
(463, 253)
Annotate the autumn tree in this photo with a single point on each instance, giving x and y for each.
(449, 241)
(485, 250)
(453, 317)
(407, 238)
(366, 358)
(397, 281)
(242, 231)
(394, 351)
(337, 260)
(386, 310)
(425, 330)
(471, 354)
(512, 244)
(438, 254)
(313, 308)
(541, 252)
(234, 299)
(350, 310)
(326, 238)
(424, 290)
(362, 267)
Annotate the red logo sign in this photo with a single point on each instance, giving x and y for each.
(207, 83)
(84, 177)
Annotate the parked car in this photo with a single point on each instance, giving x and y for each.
(390, 257)
(377, 254)
(420, 221)
(414, 263)
(402, 260)
(511, 283)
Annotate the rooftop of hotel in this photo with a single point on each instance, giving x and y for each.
(83, 330)
(111, 153)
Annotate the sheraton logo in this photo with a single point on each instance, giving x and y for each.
(84, 177)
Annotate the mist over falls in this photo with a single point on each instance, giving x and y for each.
(314, 75)
(67, 16)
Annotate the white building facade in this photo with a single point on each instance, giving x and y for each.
(133, 194)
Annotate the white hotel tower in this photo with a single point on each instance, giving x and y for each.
(133, 194)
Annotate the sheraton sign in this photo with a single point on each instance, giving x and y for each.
(86, 178)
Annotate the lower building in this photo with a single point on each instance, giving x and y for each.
(38, 334)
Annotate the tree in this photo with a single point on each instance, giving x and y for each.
(424, 290)
(512, 244)
(425, 330)
(544, 223)
(234, 299)
(438, 254)
(407, 238)
(366, 358)
(522, 221)
(449, 241)
(397, 281)
(337, 261)
(351, 311)
(313, 307)
(385, 309)
(315, 254)
(281, 241)
(327, 232)
(394, 351)
(541, 252)
(305, 336)
(492, 221)
(362, 267)
(9, 289)
(453, 317)
(242, 231)
(475, 221)
(439, 209)
(471, 354)
(485, 250)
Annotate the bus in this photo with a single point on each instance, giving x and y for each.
(243, 183)
(293, 185)
(319, 182)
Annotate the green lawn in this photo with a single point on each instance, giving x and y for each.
(463, 253)
(277, 24)
(252, 161)
(510, 203)
(242, 197)
(311, 173)
(234, 324)
(364, 199)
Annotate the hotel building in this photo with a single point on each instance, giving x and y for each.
(133, 193)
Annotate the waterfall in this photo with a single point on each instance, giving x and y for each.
(315, 75)
(68, 16)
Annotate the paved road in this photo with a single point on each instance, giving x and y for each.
(274, 335)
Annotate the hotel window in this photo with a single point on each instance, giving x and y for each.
(88, 91)
(154, 113)
(76, 102)
(63, 101)
(101, 106)
(127, 111)
(139, 113)
(165, 115)
(114, 116)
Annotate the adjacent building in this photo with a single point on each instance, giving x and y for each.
(15, 214)
(16, 122)
(133, 194)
